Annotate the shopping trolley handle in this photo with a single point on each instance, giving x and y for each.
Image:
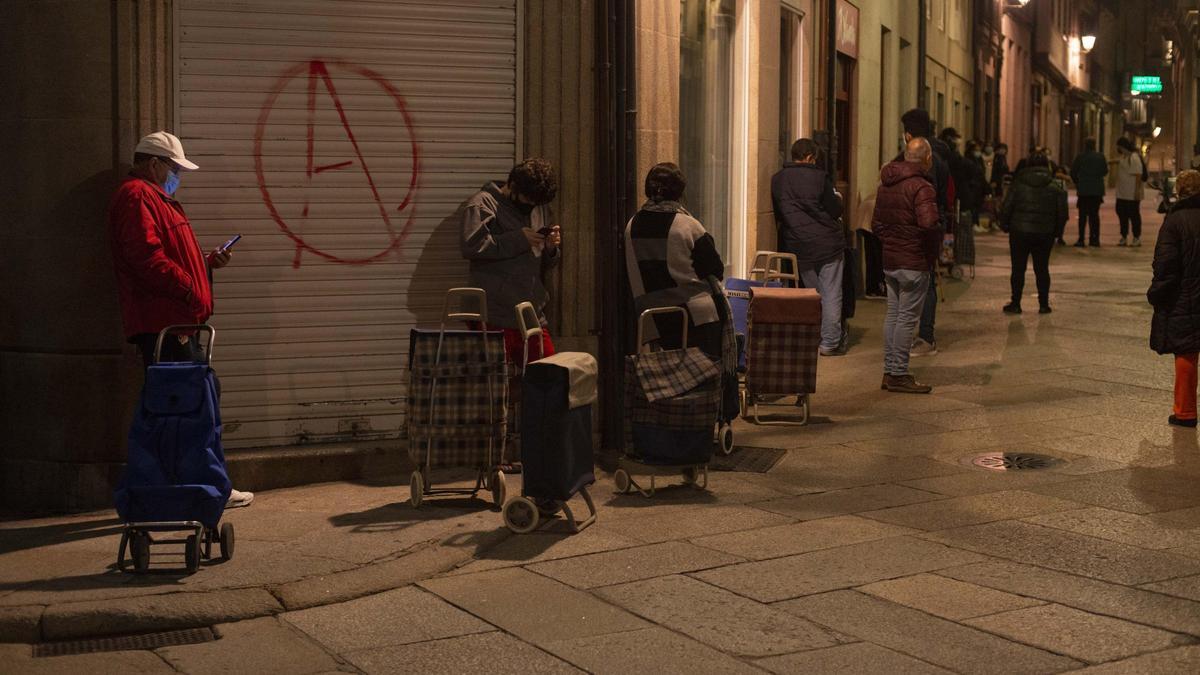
(461, 295)
(187, 328)
(530, 326)
(649, 314)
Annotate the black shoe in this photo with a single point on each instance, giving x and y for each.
(1044, 309)
(1061, 242)
(1094, 244)
(1012, 308)
(1191, 424)
(1080, 244)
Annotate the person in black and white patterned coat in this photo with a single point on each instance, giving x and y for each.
(670, 258)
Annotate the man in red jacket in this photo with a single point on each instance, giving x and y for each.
(163, 278)
(906, 222)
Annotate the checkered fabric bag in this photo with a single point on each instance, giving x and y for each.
(782, 358)
(668, 374)
(457, 404)
(691, 411)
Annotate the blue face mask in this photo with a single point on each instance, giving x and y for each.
(172, 183)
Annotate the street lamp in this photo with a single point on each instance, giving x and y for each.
(1087, 42)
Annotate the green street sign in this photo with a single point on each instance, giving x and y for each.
(1146, 84)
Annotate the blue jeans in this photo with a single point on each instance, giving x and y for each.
(906, 291)
(827, 280)
(929, 313)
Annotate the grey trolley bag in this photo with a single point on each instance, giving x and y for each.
(557, 451)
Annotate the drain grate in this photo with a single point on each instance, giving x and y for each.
(119, 643)
(1013, 461)
(747, 460)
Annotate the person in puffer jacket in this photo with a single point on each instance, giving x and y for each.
(1175, 294)
(1034, 215)
(907, 223)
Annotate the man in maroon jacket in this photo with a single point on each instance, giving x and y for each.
(163, 278)
(906, 222)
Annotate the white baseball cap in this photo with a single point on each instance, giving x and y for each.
(163, 144)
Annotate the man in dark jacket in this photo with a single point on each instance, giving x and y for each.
(906, 222)
(1175, 294)
(1000, 167)
(510, 241)
(806, 213)
(1033, 213)
(1088, 172)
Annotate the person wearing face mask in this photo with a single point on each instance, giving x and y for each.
(509, 242)
(163, 277)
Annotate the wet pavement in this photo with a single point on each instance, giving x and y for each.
(874, 546)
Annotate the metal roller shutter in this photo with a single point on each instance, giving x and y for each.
(339, 137)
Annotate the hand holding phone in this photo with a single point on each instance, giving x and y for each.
(229, 244)
(553, 235)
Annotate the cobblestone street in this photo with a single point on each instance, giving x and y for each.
(874, 546)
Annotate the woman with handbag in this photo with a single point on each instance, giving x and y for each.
(1175, 294)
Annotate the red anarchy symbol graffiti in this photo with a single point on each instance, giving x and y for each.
(318, 72)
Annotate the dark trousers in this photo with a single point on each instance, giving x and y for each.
(1021, 246)
(929, 310)
(1089, 212)
(1129, 212)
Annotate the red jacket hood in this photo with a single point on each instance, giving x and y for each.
(896, 172)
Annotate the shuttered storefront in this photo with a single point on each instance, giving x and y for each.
(339, 137)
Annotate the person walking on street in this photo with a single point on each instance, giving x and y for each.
(163, 278)
(918, 125)
(1175, 294)
(1131, 178)
(1088, 172)
(1033, 213)
(907, 224)
(806, 212)
(509, 241)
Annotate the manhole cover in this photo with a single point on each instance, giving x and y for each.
(747, 459)
(1012, 461)
(120, 643)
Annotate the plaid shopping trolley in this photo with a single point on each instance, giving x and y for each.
(784, 334)
(457, 402)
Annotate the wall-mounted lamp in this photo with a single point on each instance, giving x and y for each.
(1157, 131)
(1087, 42)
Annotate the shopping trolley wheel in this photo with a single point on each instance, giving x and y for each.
(499, 488)
(803, 403)
(621, 478)
(521, 515)
(743, 403)
(227, 541)
(725, 438)
(139, 550)
(191, 553)
(416, 489)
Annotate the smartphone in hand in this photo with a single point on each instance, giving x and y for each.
(229, 244)
(546, 231)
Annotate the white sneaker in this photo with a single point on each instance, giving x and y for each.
(238, 498)
(1123, 242)
(1137, 242)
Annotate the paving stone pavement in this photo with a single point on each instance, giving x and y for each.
(874, 546)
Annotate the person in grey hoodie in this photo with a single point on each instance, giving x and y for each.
(509, 238)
